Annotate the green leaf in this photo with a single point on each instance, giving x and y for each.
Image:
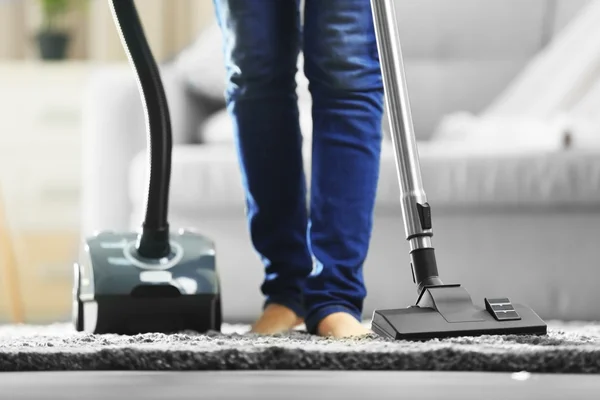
(52, 10)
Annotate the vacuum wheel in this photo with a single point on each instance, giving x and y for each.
(77, 304)
(218, 314)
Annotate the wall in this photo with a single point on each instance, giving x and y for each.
(169, 25)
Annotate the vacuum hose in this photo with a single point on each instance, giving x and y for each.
(153, 240)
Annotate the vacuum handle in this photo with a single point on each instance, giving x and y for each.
(153, 241)
(415, 209)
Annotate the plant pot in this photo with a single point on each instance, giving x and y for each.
(53, 45)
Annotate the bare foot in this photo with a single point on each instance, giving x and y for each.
(276, 319)
(341, 325)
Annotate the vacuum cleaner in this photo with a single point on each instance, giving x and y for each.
(154, 280)
(441, 310)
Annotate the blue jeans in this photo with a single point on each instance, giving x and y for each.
(313, 256)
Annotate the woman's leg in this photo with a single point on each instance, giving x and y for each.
(342, 65)
(261, 45)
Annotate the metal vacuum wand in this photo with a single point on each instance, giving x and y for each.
(441, 310)
(415, 208)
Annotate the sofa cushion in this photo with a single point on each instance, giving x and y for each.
(202, 64)
(501, 176)
(559, 75)
(471, 29)
(207, 177)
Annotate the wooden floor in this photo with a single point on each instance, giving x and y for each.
(291, 385)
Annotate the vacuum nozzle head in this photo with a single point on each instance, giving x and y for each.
(447, 311)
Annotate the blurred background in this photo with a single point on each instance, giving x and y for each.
(48, 52)
(503, 94)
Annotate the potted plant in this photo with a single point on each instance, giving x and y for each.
(53, 38)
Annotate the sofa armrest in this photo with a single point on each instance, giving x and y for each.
(114, 131)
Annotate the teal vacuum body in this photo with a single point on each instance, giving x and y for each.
(154, 280)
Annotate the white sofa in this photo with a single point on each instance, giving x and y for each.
(508, 220)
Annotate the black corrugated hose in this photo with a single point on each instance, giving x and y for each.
(153, 241)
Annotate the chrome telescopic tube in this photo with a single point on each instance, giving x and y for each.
(415, 208)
